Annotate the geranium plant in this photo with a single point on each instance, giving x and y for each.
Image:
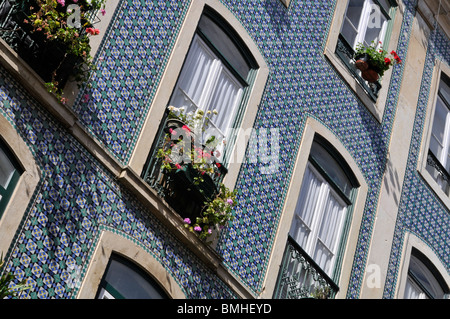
(378, 58)
(181, 147)
(216, 214)
(66, 23)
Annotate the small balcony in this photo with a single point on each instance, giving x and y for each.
(300, 277)
(346, 53)
(181, 184)
(52, 56)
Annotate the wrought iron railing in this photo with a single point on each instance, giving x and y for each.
(177, 187)
(439, 172)
(44, 57)
(300, 277)
(346, 53)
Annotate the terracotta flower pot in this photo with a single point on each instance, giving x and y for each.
(362, 62)
(370, 75)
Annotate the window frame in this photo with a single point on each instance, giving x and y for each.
(413, 243)
(247, 83)
(439, 69)
(312, 128)
(391, 37)
(107, 289)
(246, 114)
(6, 193)
(330, 187)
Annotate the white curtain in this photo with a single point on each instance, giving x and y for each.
(318, 220)
(206, 84)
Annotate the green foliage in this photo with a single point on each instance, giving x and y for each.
(6, 289)
(49, 19)
(379, 58)
(216, 214)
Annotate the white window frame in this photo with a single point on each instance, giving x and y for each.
(375, 108)
(439, 69)
(363, 24)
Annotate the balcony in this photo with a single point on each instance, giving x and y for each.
(182, 185)
(45, 40)
(300, 277)
(346, 53)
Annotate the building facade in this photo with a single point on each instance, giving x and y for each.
(341, 183)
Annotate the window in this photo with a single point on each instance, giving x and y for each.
(438, 163)
(318, 225)
(366, 22)
(124, 280)
(214, 77)
(424, 281)
(321, 208)
(9, 175)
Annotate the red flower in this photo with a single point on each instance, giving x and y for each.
(387, 60)
(187, 129)
(218, 164)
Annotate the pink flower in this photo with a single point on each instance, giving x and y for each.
(197, 228)
(187, 129)
(187, 221)
(92, 31)
(229, 201)
(61, 2)
(210, 231)
(103, 11)
(177, 166)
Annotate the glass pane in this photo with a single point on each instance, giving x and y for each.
(225, 99)
(385, 4)
(331, 167)
(352, 20)
(195, 77)
(412, 291)
(330, 231)
(130, 283)
(224, 45)
(438, 130)
(375, 26)
(6, 169)
(306, 207)
(425, 277)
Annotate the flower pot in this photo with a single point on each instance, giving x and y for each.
(370, 75)
(362, 62)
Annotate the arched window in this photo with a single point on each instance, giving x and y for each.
(10, 172)
(318, 226)
(125, 280)
(424, 280)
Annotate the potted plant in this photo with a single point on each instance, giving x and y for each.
(63, 36)
(373, 61)
(194, 169)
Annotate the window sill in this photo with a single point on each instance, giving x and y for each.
(375, 108)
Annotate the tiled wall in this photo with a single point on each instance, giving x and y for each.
(421, 212)
(77, 198)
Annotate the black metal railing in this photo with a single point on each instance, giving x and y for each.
(346, 53)
(180, 188)
(300, 277)
(49, 59)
